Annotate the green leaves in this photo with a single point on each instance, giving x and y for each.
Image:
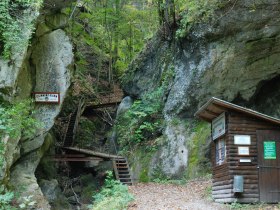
(17, 119)
(142, 122)
(196, 11)
(12, 23)
(118, 29)
(5, 199)
(113, 195)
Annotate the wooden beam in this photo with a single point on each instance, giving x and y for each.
(92, 153)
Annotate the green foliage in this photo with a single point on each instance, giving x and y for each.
(208, 193)
(12, 21)
(17, 119)
(236, 205)
(113, 195)
(115, 31)
(144, 175)
(196, 11)
(27, 202)
(142, 122)
(6, 198)
(198, 164)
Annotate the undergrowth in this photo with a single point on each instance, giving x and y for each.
(15, 121)
(114, 195)
(196, 11)
(13, 19)
(142, 122)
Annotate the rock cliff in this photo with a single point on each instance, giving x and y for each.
(232, 56)
(43, 67)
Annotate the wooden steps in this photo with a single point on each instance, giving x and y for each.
(69, 137)
(121, 169)
(73, 126)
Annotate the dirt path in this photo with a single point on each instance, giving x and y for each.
(192, 196)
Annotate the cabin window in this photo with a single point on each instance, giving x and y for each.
(220, 151)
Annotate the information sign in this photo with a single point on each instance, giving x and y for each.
(218, 126)
(243, 151)
(47, 97)
(243, 160)
(269, 150)
(242, 139)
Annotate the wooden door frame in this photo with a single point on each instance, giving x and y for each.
(258, 156)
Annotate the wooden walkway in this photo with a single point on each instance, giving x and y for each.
(91, 153)
(120, 164)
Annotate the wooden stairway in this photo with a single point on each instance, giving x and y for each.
(72, 126)
(121, 169)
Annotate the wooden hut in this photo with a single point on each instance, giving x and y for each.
(245, 153)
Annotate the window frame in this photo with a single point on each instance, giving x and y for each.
(220, 151)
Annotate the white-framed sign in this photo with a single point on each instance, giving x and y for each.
(245, 160)
(243, 151)
(218, 126)
(242, 139)
(47, 97)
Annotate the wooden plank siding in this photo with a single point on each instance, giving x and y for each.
(245, 125)
(259, 178)
(221, 186)
(223, 175)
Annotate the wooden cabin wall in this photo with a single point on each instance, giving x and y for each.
(240, 124)
(223, 175)
(221, 186)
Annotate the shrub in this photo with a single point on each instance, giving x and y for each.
(16, 119)
(114, 195)
(6, 198)
(12, 21)
(142, 122)
(196, 11)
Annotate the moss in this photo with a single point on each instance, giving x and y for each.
(144, 175)
(46, 169)
(88, 187)
(87, 130)
(140, 166)
(198, 163)
(61, 204)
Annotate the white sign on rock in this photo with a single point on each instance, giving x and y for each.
(47, 97)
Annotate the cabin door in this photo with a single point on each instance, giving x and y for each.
(269, 165)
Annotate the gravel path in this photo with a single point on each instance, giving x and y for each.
(192, 196)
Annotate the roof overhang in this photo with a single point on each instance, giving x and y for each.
(214, 107)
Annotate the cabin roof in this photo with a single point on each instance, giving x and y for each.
(214, 107)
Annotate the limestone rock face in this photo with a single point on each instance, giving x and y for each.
(43, 67)
(124, 105)
(10, 68)
(174, 154)
(51, 58)
(227, 58)
(232, 57)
